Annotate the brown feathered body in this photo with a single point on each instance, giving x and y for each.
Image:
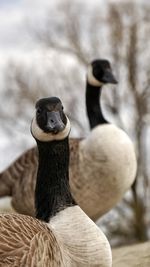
(25, 241)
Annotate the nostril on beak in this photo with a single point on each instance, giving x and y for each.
(52, 121)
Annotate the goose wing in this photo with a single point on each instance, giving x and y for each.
(25, 241)
(18, 180)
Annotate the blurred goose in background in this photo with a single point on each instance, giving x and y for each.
(61, 234)
(108, 154)
(102, 166)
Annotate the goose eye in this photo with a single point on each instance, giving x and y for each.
(62, 107)
(39, 110)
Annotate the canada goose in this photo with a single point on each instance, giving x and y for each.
(107, 155)
(61, 234)
(136, 255)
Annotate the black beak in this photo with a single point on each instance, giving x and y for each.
(54, 122)
(109, 77)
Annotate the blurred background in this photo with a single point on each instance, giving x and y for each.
(45, 47)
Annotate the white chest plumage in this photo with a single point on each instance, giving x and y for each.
(108, 164)
(84, 243)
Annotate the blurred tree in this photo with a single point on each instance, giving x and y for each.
(82, 32)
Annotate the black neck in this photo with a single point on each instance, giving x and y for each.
(52, 192)
(93, 106)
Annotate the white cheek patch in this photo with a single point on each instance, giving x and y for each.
(91, 79)
(40, 135)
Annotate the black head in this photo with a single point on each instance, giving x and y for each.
(100, 73)
(50, 121)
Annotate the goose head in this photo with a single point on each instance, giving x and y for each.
(100, 73)
(50, 122)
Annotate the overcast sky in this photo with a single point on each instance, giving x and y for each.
(4, 3)
(14, 15)
(11, 15)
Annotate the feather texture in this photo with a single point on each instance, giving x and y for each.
(70, 239)
(28, 242)
(82, 238)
